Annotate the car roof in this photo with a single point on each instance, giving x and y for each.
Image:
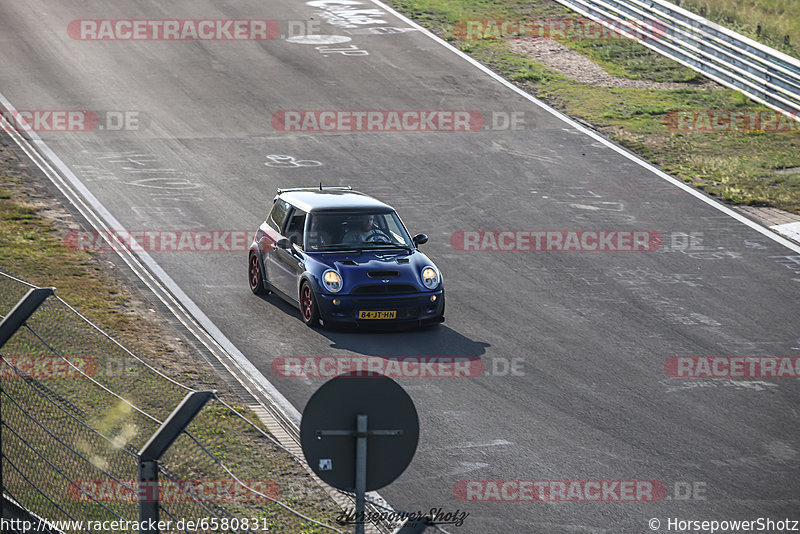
(324, 200)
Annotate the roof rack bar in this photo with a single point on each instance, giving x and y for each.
(316, 188)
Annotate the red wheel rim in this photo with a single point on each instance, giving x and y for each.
(253, 272)
(307, 303)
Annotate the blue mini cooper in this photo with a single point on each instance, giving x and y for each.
(344, 257)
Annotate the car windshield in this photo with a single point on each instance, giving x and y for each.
(347, 231)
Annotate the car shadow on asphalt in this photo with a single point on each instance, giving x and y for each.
(434, 340)
(437, 340)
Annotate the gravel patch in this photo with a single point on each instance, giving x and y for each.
(582, 69)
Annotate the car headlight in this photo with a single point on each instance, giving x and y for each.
(430, 277)
(332, 281)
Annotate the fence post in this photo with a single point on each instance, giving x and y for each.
(10, 324)
(22, 311)
(152, 451)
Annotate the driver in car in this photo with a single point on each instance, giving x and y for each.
(365, 230)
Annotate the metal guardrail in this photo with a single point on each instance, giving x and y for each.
(731, 59)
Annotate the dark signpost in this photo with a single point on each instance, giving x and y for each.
(359, 432)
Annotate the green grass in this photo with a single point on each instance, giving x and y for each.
(740, 167)
(631, 60)
(29, 246)
(771, 22)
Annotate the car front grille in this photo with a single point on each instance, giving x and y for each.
(384, 289)
(383, 275)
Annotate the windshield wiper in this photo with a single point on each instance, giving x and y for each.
(389, 245)
(335, 248)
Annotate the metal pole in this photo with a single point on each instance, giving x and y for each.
(361, 434)
(2, 456)
(361, 471)
(155, 447)
(22, 311)
(8, 326)
(148, 497)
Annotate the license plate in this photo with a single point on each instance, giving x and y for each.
(391, 314)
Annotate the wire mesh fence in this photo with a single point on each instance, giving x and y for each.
(76, 408)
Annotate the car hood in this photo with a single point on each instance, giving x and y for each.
(372, 267)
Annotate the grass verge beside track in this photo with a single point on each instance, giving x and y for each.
(760, 168)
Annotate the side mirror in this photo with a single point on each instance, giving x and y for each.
(420, 239)
(284, 243)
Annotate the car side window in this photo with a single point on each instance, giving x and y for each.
(278, 215)
(294, 230)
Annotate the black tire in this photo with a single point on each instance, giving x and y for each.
(255, 275)
(309, 310)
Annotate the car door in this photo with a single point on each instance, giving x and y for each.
(269, 234)
(286, 265)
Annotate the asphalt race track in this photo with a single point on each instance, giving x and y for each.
(575, 345)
